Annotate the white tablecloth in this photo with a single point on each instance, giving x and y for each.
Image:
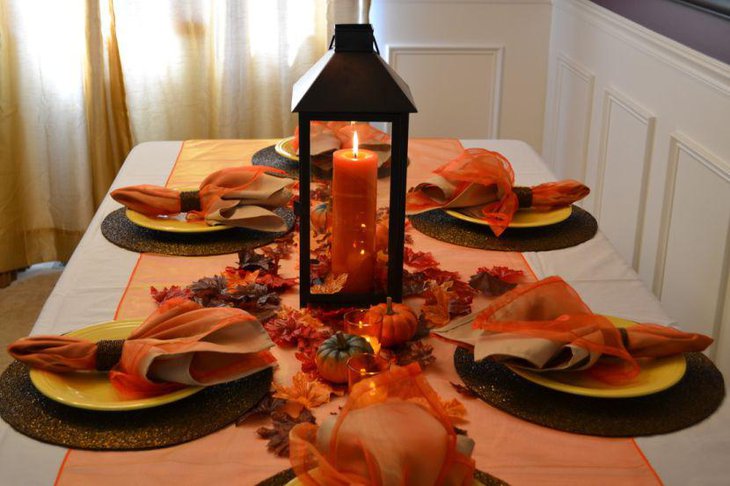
(95, 277)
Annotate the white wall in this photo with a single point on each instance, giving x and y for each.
(477, 68)
(645, 122)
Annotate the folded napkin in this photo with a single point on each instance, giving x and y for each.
(235, 196)
(481, 184)
(326, 137)
(179, 344)
(545, 326)
(392, 431)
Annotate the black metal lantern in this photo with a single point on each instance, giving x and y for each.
(352, 83)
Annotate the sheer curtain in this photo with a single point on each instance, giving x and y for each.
(81, 82)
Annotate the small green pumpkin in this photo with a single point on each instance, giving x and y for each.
(333, 353)
(321, 218)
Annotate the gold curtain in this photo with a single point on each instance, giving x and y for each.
(81, 82)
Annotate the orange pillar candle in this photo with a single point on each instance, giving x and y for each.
(354, 208)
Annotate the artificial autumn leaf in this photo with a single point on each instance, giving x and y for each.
(275, 282)
(251, 260)
(415, 351)
(463, 390)
(207, 291)
(436, 310)
(167, 293)
(414, 283)
(496, 280)
(235, 278)
(490, 285)
(278, 435)
(419, 259)
(293, 328)
(266, 406)
(305, 391)
(503, 273)
(331, 285)
(254, 298)
(454, 409)
(282, 247)
(330, 317)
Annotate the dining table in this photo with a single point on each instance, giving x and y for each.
(97, 277)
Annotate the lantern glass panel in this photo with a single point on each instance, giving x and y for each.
(349, 207)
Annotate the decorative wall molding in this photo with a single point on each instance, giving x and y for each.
(680, 144)
(495, 53)
(709, 71)
(568, 67)
(615, 100)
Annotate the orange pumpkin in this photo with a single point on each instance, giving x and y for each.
(399, 323)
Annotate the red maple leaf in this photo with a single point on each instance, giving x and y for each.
(419, 259)
(168, 293)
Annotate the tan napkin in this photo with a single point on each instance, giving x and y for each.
(326, 137)
(236, 196)
(180, 343)
(545, 326)
(480, 183)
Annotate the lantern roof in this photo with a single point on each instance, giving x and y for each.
(352, 78)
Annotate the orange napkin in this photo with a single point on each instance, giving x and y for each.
(392, 431)
(545, 326)
(179, 344)
(326, 137)
(480, 183)
(235, 196)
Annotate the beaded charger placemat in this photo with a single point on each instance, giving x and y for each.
(284, 477)
(118, 229)
(269, 157)
(694, 398)
(581, 226)
(32, 414)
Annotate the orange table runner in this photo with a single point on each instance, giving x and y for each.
(514, 450)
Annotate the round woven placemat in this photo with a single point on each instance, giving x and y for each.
(118, 229)
(32, 414)
(282, 478)
(579, 227)
(697, 395)
(268, 156)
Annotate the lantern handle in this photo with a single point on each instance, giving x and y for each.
(375, 43)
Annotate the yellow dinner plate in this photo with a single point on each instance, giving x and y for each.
(285, 148)
(172, 224)
(523, 218)
(92, 390)
(656, 375)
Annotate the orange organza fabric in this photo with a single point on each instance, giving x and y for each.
(155, 200)
(551, 309)
(496, 200)
(392, 431)
(180, 343)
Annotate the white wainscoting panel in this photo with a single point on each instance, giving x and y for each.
(573, 101)
(624, 159)
(694, 251)
(473, 74)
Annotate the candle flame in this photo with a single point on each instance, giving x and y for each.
(354, 145)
